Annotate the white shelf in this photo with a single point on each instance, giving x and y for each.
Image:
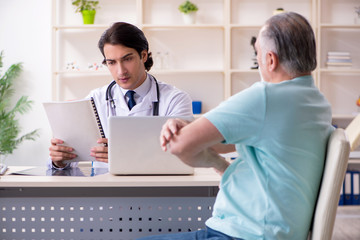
(337, 32)
(245, 26)
(355, 155)
(354, 161)
(183, 71)
(331, 25)
(158, 26)
(80, 27)
(255, 71)
(350, 208)
(344, 116)
(341, 70)
(83, 72)
(215, 50)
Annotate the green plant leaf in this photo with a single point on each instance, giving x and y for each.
(22, 105)
(188, 7)
(82, 5)
(9, 125)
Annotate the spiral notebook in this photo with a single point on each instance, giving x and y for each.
(77, 123)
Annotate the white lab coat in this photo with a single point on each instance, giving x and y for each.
(172, 102)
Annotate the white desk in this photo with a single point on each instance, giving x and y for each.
(104, 206)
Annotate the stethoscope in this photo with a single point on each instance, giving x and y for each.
(111, 103)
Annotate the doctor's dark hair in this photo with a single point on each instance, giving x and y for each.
(290, 36)
(121, 33)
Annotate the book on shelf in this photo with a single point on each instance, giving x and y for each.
(333, 53)
(334, 60)
(338, 60)
(77, 123)
(339, 63)
(339, 57)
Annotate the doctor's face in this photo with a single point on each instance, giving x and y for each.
(125, 65)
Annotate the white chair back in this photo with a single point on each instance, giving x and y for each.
(353, 133)
(337, 156)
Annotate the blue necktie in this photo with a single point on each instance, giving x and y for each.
(131, 102)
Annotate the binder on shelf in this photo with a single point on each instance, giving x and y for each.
(355, 184)
(341, 199)
(347, 189)
(77, 123)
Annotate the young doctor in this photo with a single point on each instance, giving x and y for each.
(134, 92)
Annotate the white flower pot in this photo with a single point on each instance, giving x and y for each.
(189, 18)
(357, 19)
(2, 158)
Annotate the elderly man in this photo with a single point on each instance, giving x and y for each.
(279, 126)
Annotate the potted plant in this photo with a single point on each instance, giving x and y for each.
(87, 9)
(189, 10)
(9, 125)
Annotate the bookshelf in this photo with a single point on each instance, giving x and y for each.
(210, 59)
(215, 52)
(337, 31)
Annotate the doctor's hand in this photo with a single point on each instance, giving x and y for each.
(100, 152)
(169, 129)
(59, 153)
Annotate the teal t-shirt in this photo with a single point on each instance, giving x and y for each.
(280, 132)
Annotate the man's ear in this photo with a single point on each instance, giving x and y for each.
(272, 61)
(144, 55)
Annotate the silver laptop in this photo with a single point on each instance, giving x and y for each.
(134, 148)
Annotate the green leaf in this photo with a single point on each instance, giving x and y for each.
(85, 5)
(9, 124)
(188, 7)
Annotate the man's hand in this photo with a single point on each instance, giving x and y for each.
(193, 142)
(100, 152)
(169, 129)
(59, 153)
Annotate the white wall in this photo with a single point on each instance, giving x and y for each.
(25, 36)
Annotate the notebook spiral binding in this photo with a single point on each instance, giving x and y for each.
(97, 118)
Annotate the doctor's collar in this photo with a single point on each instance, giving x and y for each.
(142, 90)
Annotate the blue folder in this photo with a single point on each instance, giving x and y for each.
(355, 182)
(341, 199)
(347, 189)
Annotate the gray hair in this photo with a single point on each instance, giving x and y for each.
(290, 36)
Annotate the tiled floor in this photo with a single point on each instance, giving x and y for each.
(347, 223)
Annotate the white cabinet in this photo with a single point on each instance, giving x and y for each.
(193, 55)
(211, 59)
(338, 32)
(75, 54)
(245, 20)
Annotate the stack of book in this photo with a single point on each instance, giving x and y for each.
(339, 59)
